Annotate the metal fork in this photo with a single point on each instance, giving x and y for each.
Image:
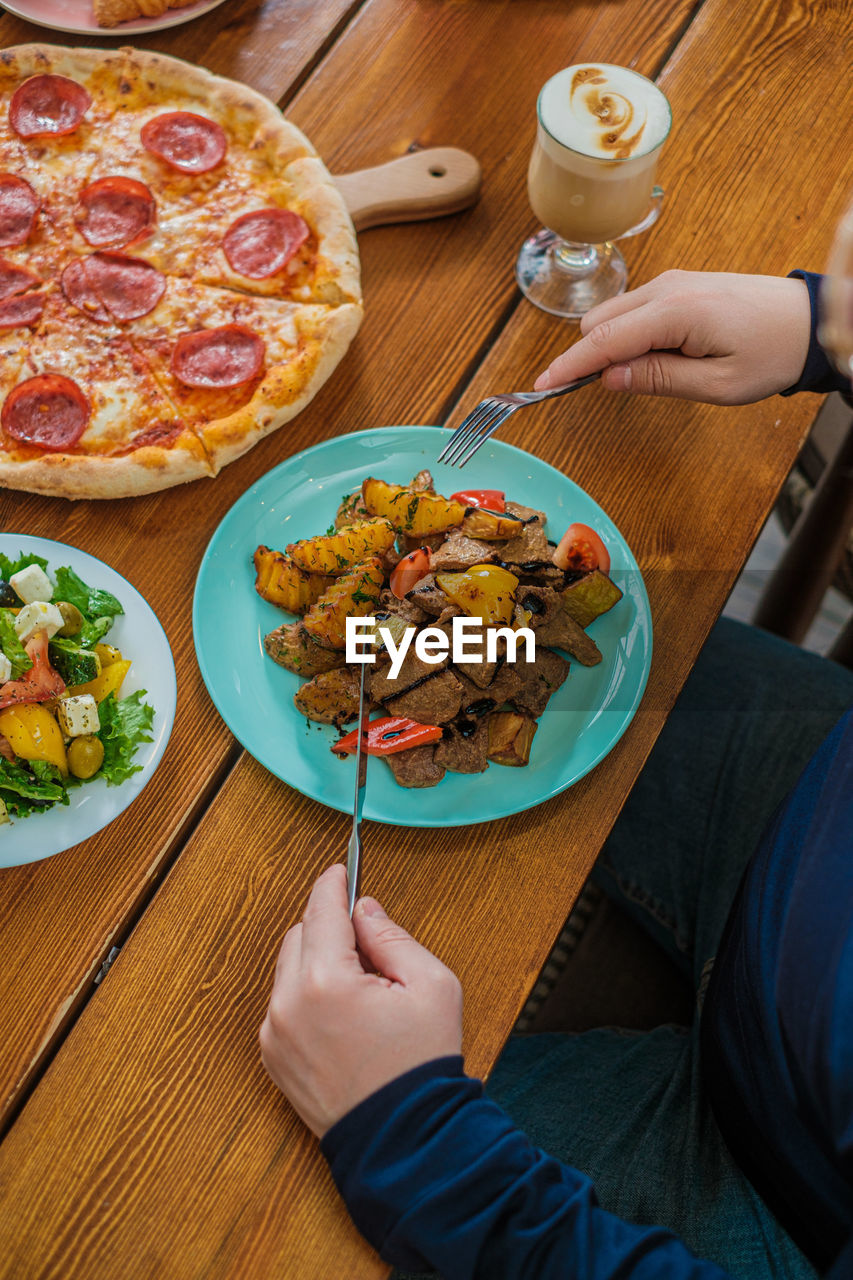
(491, 413)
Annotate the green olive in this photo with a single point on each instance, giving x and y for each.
(72, 619)
(85, 756)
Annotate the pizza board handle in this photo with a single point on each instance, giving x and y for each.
(422, 184)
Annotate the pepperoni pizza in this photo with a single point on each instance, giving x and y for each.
(178, 272)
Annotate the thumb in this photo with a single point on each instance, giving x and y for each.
(387, 946)
(667, 373)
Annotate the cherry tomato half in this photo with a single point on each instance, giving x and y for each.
(494, 499)
(409, 571)
(580, 548)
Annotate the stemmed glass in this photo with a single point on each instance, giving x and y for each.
(591, 180)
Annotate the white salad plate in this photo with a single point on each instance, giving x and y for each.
(76, 17)
(139, 635)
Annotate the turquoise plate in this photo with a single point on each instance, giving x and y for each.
(581, 723)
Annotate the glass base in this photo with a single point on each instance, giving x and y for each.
(569, 279)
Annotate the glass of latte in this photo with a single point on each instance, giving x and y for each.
(600, 131)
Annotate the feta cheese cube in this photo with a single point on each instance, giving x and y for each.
(38, 616)
(78, 715)
(5, 669)
(32, 584)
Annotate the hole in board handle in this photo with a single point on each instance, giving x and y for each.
(437, 172)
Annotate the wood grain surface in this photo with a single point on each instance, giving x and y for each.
(156, 1098)
(83, 902)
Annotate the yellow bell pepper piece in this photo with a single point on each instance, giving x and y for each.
(484, 591)
(109, 681)
(33, 734)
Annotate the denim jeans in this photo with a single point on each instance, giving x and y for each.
(626, 1107)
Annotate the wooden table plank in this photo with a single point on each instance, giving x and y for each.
(157, 1096)
(427, 58)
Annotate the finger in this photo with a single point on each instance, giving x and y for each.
(668, 373)
(327, 933)
(289, 953)
(618, 306)
(388, 947)
(646, 328)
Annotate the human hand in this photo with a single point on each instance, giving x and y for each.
(713, 336)
(335, 1031)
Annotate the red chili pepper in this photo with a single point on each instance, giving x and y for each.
(492, 499)
(390, 734)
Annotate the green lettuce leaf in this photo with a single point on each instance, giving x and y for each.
(124, 725)
(11, 645)
(8, 567)
(92, 633)
(30, 790)
(91, 601)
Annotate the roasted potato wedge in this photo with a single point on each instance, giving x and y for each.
(354, 595)
(590, 597)
(510, 737)
(489, 525)
(338, 553)
(283, 583)
(411, 512)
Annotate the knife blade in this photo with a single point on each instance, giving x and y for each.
(354, 847)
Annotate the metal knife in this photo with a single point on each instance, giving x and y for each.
(354, 847)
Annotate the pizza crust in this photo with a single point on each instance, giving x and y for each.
(266, 149)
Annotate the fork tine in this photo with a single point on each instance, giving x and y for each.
(490, 430)
(490, 411)
(463, 432)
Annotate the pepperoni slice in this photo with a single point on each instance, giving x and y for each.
(19, 205)
(15, 279)
(113, 286)
(115, 212)
(21, 309)
(47, 104)
(185, 140)
(224, 357)
(259, 244)
(48, 411)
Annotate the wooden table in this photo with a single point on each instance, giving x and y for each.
(141, 1137)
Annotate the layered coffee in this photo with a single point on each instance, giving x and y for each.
(599, 134)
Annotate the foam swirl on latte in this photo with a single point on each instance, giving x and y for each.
(604, 111)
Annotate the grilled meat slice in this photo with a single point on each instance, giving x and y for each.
(331, 697)
(458, 553)
(388, 603)
(412, 671)
(427, 596)
(530, 547)
(435, 701)
(423, 482)
(542, 603)
(505, 683)
(291, 646)
(408, 542)
(416, 767)
(526, 514)
(540, 679)
(464, 747)
(562, 632)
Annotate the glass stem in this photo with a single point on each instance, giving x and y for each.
(578, 259)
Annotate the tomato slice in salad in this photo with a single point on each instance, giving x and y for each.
(581, 549)
(492, 499)
(38, 684)
(409, 572)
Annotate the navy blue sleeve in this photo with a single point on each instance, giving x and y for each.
(436, 1176)
(819, 373)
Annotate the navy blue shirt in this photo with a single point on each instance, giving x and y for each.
(436, 1176)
